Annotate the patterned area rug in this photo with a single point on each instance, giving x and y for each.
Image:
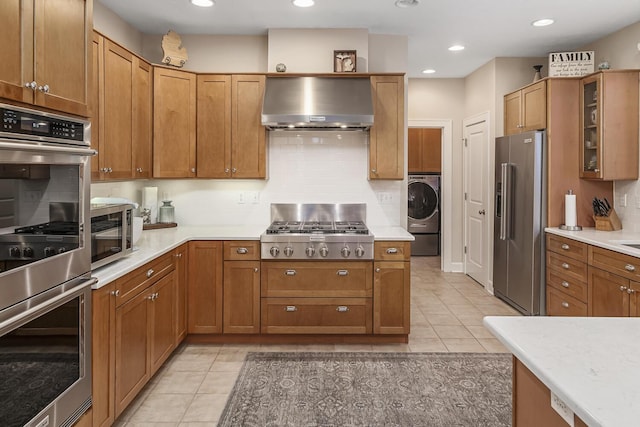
(371, 389)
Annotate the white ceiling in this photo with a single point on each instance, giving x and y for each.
(488, 28)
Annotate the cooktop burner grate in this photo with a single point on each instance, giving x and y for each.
(322, 227)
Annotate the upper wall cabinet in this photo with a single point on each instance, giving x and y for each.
(425, 150)
(46, 51)
(609, 125)
(231, 142)
(525, 109)
(386, 136)
(174, 123)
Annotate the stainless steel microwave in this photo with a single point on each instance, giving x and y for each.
(111, 233)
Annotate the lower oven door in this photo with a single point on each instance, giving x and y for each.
(45, 357)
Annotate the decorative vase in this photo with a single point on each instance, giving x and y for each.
(537, 75)
(166, 212)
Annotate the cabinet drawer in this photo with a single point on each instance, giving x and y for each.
(567, 285)
(567, 247)
(392, 251)
(316, 316)
(241, 250)
(615, 262)
(141, 278)
(316, 279)
(567, 267)
(561, 304)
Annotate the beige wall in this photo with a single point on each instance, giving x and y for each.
(388, 53)
(114, 27)
(620, 49)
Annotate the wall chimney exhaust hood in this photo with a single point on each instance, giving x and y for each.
(317, 103)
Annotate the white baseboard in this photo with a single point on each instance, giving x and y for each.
(454, 267)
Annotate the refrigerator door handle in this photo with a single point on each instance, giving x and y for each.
(505, 211)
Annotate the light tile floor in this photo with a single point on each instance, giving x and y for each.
(191, 389)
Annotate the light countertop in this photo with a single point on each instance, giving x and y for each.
(154, 243)
(591, 363)
(611, 240)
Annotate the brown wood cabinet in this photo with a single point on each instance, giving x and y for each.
(391, 288)
(386, 136)
(231, 141)
(174, 123)
(566, 288)
(205, 287)
(241, 292)
(609, 125)
(181, 254)
(525, 109)
(121, 110)
(103, 355)
(47, 54)
(425, 150)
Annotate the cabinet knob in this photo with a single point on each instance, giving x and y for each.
(234, 170)
(565, 247)
(139, 170)
(374, 171)
(631, 291)
(255, 270)
(193, 170)
(150, 272)
(378, 270)
(226, 170)
(596, 170)
(565, 265)
(565, 304)
(31, 85)
(115, 293)
(565, 284)
(178, 255)
(44, 88)
(623, 288)
(242, 251)
(630, 267)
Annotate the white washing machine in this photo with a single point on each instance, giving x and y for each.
(424, 213)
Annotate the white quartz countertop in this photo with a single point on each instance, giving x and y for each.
(612, 240)
(591, 363)
(154, 243)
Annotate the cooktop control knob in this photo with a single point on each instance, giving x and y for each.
(288, 251)
(324, 251)
(274, 251)
(15, 252)
(359, 251)
(345, 252)
(27, 252)
(49, 251)
(310, 251)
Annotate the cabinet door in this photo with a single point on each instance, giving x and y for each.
(181, 292)
(205, 287)
(103, 376)
(608, 295)
(174, 124)
(162, 321)
(414, 148)
(116, 104)
(248, 136)
(214, 126)
(512, 111)
(241, 297)
(386, 136)
(63, 33)
(634, 299)
(391, 297)
(534, 107)
(132, 343)
(16, 33)
(95, 111)
(142, 113)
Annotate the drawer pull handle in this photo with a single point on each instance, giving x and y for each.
(291, 308)
(565, 265)
(342, 309)
(178, 255)
(115, 293)
(150, 272)
(290, 273)
(623, 288)
(565, 304)
(391, 251)
(343, 272)
(630, 267)
(242, 251)
(565, 247)
(565, 284)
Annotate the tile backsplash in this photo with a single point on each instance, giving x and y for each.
(306, 167)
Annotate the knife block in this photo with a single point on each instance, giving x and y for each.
(608, 223)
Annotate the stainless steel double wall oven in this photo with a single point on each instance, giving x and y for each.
(45, 267)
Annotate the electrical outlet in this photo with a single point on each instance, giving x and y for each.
(385, 198)
(242, 197)
(562, 409)
(254, 197)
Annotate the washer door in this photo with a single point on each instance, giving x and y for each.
(423, 201)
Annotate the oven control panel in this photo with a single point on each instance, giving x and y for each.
(18, 122)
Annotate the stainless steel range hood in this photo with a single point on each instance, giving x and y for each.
(316, 103)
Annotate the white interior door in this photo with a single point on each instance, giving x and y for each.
(476, 190)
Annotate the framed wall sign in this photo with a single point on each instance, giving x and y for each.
(344, 61)
(571, 64)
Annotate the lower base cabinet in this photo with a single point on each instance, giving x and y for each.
(392, 288)
(205, 287)
(103, 310)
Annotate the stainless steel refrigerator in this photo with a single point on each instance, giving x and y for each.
(520, 205)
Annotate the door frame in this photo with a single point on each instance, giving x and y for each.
(488, 244)
(446, 180)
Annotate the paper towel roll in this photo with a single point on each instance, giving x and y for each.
(570, 215)
(150, 201)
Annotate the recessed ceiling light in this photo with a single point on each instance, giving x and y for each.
(407, 3)
(456, 47)
(542, 22)
(202, 3)
(303, 3)
(428, 71)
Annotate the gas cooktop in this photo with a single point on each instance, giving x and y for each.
(320, 227)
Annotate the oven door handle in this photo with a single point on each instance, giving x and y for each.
(47, 149)
(32, 312)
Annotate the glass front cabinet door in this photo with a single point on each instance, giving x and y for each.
(590, 141)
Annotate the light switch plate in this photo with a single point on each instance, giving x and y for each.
(562, 409)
